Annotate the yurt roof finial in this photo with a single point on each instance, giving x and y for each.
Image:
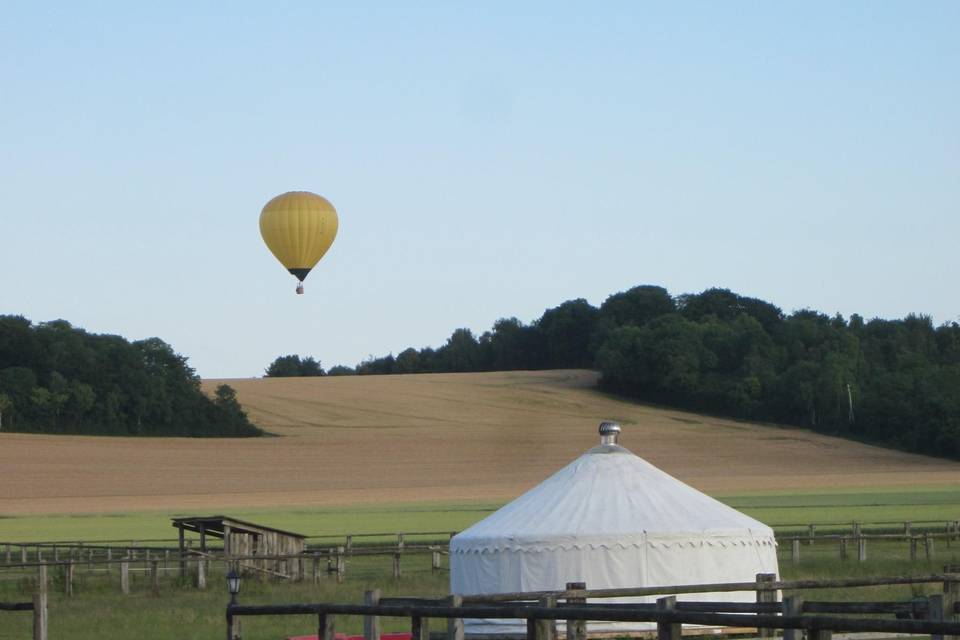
(609, 432)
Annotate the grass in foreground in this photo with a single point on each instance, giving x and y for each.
(98, 611)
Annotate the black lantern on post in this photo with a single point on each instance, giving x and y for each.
(233, 584)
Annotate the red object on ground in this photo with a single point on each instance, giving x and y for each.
(342, 636)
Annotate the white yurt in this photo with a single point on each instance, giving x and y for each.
(609, 519)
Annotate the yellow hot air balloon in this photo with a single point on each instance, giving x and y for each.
(298, 228)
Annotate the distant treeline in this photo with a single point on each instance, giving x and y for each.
(893, 382)
(55, 378)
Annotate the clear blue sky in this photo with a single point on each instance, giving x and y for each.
(487, 160)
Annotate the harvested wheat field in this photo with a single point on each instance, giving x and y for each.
(374, 439)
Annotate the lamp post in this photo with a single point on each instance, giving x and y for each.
(233, 586)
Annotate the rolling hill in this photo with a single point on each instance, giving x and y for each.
(470, 436)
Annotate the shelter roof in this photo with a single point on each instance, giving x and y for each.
(216, 526)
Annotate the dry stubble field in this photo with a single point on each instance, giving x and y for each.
(377, 439)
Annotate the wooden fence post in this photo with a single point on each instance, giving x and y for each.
(951, 595)
(576, 629)
(843, 548)
(234, 628)
(435, 560)
(349, 544)
(455, 625)
(548, 628)
(125, 577)
(371, 624)
(40, 605)
(862, 549)
(928, 546)
(812, 532)
(419, 628)
(765, 595)
(341, 564)
(201, 574)
(913, 549)
(793, 606)
(155, 577)
(396, 564)
(23, 553)
(326, 627)
(935, 612)
(795, 550)
(316, 569)
(68, 578)
(668, 630)
(908, 528)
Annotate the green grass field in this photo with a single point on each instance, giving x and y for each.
(778, 509)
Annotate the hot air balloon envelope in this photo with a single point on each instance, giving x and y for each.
(298, 227)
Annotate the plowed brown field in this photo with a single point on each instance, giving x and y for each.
(375, 439)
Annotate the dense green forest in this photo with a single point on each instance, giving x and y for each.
(55, 378)
(892, 382)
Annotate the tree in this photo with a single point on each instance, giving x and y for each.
(294, 366)
(408, 361)
(310, 367)
(62, 379)
(637, 306)
(341, 370)
(225, 397)
(6, 403)
(82, 400)
(567, 330)
(726, 305)
(512, 345)
(461, 352)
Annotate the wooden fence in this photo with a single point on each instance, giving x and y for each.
(937, 615)
(38, 606)
(196, 567)
(920, 541)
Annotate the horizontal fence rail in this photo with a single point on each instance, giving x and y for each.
(937, 615)
(598, 614)
(791, 585)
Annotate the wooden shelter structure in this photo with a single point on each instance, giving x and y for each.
(244, 539)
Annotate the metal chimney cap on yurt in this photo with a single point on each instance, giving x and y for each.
(609, 432)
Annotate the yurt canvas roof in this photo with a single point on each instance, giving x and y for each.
(608, 497)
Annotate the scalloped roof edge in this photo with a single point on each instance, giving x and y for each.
(611, 545)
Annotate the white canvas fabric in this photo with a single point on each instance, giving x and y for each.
(609, 519)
